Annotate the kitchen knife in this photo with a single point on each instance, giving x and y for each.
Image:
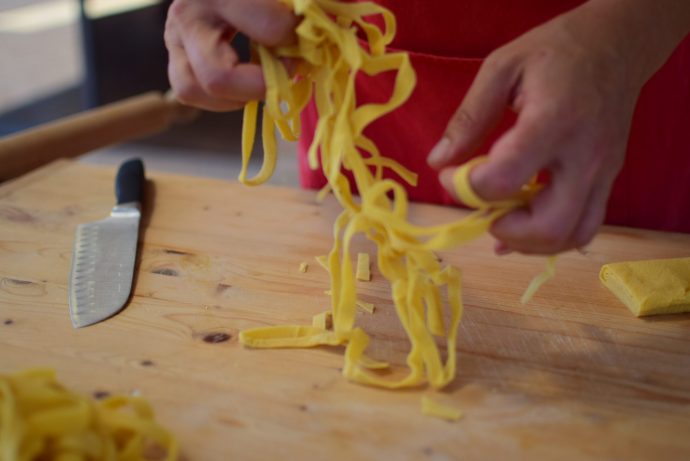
(105, 252)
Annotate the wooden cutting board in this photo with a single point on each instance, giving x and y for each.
(572, 375)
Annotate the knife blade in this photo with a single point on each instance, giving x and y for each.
(105, 252)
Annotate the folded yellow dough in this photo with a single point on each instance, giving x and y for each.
(657, 286)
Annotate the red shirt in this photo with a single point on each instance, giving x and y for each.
(447, 40)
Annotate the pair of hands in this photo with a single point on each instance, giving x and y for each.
(573, 81)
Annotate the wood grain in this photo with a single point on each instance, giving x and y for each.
(572, 375)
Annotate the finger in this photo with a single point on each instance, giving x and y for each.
(516, 157)
(269, 22)
(215, 65)
(501, 248)
(479, 113)
(445, 177)
(594, 214)
(547, 225)
(187, 89)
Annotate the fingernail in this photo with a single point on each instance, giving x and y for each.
(439, 153)
(446, 180)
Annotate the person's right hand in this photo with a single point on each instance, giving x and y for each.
(203, 68)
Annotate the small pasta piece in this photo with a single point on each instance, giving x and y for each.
(363, 267)
(323, 320)
(365, 306)
(432, 408)
(323, 261)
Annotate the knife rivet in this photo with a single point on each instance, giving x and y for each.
(147, 363)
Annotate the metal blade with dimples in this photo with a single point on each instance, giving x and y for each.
(105, 252)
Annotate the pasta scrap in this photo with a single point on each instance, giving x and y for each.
(303, 267)
(322, 260)
(432, 408)
(363, 267)
(365, 306)
(40, 419)
(324, 321)
(330, 56)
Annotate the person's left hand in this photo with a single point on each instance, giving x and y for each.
(574, 91)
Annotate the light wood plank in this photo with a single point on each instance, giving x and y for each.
(572, 375)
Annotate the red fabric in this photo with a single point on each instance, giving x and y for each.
(447, 40)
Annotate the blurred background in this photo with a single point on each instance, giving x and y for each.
(59, 57)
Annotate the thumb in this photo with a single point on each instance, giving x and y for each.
(479, 113)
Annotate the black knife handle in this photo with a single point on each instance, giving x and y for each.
(129, 184)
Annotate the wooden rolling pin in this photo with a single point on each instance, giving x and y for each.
(124, 120)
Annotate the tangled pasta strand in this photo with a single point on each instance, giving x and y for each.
(330, 56)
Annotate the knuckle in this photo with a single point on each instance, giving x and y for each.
(493, 61)
(185, 92)
(177, 10)
(184, 95)
(500, 62)
(462, 120)
(552, 236)
(273, 29)
(497, 187)
(505, 186)
(177, 21)
(169, 35)
(214, 83)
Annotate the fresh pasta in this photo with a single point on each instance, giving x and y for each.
(329, 56)
(363, 267)
(40, 419)
(650, 287)
(432, 408)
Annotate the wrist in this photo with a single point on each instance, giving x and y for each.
(639, 34)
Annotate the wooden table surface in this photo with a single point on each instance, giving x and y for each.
(572, 375)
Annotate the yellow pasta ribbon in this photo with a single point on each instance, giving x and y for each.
(329, 57)
(40, 419)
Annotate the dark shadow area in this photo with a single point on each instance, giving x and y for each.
(147, 205)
